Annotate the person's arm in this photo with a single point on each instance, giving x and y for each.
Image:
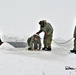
(39, 32)
(31, 42)
(39, 42)
(39, 45)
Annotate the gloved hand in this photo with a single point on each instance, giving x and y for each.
(37, 33)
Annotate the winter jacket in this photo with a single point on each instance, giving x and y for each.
(47, 28)
(32, 41)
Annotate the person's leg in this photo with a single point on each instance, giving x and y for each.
(45, 43)
(74, 45)
(49, 42)
(74, 49)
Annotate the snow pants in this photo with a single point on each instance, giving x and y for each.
(74, 44)
(47, 40)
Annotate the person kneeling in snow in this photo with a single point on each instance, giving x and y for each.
(34, 42)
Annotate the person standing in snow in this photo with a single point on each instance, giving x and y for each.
(34, 42)
(48, 30)
(74, 35)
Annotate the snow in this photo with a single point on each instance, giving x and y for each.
(20, 61)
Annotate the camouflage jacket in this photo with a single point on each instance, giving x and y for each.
(32, 41)
(47, 28)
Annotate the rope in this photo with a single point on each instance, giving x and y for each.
(63, 42)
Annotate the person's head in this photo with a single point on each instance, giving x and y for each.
(42, 22)
(36, 37)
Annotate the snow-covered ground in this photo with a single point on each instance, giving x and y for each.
(18, 61)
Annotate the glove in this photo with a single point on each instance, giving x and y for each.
(37, 33)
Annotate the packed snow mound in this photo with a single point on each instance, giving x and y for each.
(24, 62)
(6, 45)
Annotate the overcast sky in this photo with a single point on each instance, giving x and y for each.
(21, 17)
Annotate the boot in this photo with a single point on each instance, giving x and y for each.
(73, 51)
(29, 48)
(44, 48)
(48, 49)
